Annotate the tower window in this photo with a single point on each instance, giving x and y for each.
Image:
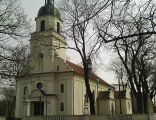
(61, 106)
(58, 27)
(62, 88)
(57, 68)
(42, 25)
(25, 91)
(40, 56)
(40, 61)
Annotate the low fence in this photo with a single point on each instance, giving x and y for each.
(2, 118)
(82, 117)
(119, 117)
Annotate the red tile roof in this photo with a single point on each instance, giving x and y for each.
(79, 70)
(120, 94)
(103, 95)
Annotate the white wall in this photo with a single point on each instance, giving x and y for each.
(80, 92)
(67, 96)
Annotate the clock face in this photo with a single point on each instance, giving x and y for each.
(39, 85)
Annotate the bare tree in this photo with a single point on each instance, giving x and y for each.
(117, 67)
(12, 62)
(132, 32)
(136, 19)
(7, 103)
(79, 17)
(13, 20)
(14, 27)
(137, 60)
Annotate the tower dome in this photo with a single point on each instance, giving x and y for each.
(49, 9)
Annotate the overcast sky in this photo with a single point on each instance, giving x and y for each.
(31, 8)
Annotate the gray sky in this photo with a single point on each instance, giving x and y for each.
(31, 8)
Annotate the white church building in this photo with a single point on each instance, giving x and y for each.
(51, 85)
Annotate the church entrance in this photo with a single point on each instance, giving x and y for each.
(37, 108)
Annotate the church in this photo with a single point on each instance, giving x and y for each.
(52, 85)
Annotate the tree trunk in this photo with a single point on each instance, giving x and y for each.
(145, 98)
(88, 90)
(139, 101)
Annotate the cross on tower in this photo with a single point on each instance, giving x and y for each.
(49, 2)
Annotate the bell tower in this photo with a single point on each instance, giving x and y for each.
(46, 41)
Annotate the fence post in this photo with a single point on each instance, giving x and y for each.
(85, 117)
(150, 116)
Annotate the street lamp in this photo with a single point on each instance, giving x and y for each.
(142, 97)
(89, 63)
(98, 85)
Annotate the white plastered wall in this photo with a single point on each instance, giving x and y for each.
(80, 91)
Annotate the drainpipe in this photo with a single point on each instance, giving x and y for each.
(73, 92)
(97, 96)
(46, 107)
(120, 96)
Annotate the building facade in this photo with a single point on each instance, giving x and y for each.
(49, 84)
(123, 101)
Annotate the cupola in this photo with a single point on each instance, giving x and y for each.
(49, 9)
(48, 18)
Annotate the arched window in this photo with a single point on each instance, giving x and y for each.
(62, 88)
(42, 25)
(57, 68)
(25, 92)
(61, 106)
(40, 61)
(40, 56)
(58, 27)
(86, 99)
(113, 111)
(94, 95)
(129, 106)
